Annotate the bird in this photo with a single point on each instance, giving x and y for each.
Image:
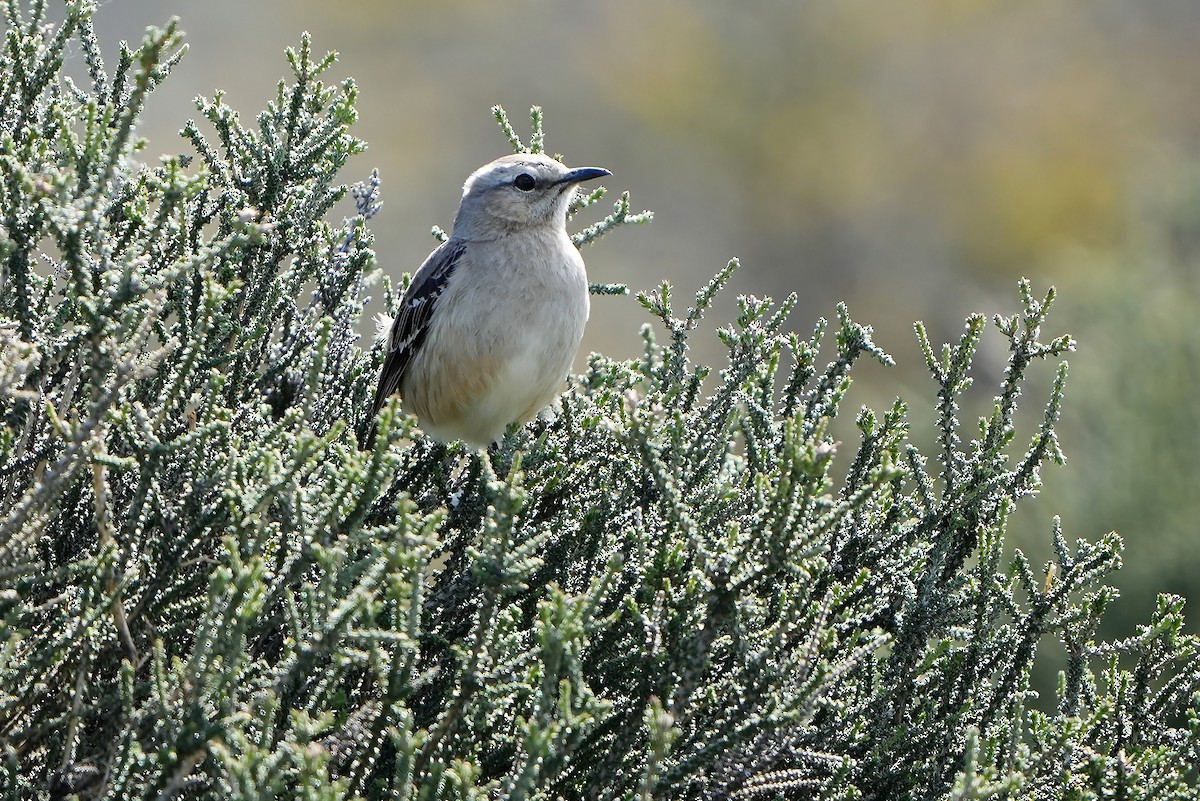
(488, 328)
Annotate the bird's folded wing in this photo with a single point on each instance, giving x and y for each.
(412, 321)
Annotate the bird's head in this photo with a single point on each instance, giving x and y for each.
(524, 190)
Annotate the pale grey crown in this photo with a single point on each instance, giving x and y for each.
(523, 190)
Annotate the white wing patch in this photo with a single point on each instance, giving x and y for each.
(383, 326)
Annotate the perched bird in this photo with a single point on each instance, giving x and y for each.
(490, 324)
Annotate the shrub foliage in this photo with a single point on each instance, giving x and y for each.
(664, 590)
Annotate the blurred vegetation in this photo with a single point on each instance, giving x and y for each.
(1135, 428)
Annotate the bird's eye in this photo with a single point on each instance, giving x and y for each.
(524, 182)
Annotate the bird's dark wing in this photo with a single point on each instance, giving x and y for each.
(412, 321)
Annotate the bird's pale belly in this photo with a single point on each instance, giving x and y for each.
(526, 382)
(507, 376)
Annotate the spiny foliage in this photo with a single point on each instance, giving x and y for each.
(208, 591)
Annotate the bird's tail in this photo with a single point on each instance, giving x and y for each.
(367, 431)
(368, 426)
(366, 434)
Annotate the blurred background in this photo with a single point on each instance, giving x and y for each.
(914, 159)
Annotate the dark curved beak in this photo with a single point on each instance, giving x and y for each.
(583, 174)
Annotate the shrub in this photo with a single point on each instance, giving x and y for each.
(661, 591)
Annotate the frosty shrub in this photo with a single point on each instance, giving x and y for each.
(209, 592)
